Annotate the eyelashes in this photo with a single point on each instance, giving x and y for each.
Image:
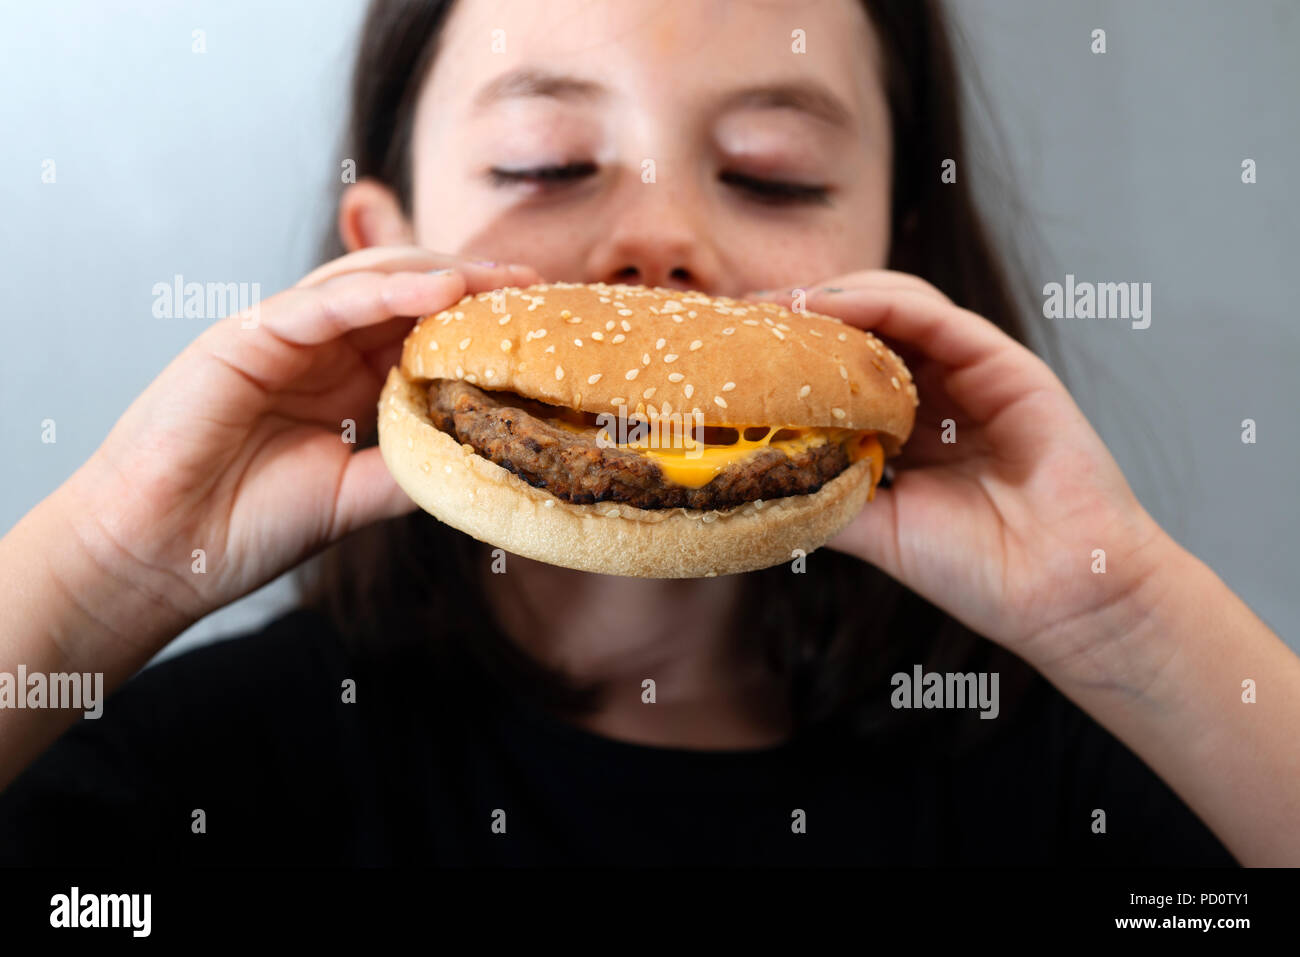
(776, 192)
(546, 175)
(765, 191)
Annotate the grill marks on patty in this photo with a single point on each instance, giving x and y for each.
(570, 465)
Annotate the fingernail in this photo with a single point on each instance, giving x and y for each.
(484, 262)
(439, 272)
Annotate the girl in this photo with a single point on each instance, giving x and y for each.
(420, 708)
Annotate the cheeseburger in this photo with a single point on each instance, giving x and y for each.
(642, 431)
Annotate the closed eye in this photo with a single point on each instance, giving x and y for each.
(544, 175)
(767, 191)
(775, 192)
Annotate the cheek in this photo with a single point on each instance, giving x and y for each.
(783, 255)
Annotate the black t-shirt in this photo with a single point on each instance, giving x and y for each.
(441, 769)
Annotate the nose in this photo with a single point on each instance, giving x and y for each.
(656, 237)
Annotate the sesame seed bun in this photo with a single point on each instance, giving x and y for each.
(597, 347)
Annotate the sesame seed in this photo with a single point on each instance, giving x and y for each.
(559, 372)
(659, 344)
(578, 343)
(675, 377)
(617, 400)
(688, 390)
(804, 390)
(574, 320)
(490, 373)
(504, 319)
(505, 345)
(729, 330)
(728, 386)
(464, 343)
(648, 393)
(778, 333)
(720, 400)
(783, 326)
(645, 358)
(843, 337)
(691, 313)
(844, 373)
(447, 469)
(814, 332)
(631, 374)
(565, 314)
(625, 312)
(618, 338)
(627, 326)
(433, 345)
(598, 336)
(458, 314)
(538, 334)
(670, 358)
(677, 319)
(548, 350)
(750, 322)
(471, 378)
(696, 344)
(609, 325)
(593, 379)
(549, 503)
(893, 379)
(837, 412)
(460, 373)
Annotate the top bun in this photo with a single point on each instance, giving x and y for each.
(595, 347)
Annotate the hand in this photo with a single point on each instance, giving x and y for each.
(999, 527)
(237, 447)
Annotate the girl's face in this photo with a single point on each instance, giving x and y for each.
(668, 142)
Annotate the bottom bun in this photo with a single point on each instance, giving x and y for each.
(474, 494)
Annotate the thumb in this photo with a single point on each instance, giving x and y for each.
(368, 494)
(872, 536)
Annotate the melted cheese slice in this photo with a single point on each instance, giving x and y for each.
(698, 467)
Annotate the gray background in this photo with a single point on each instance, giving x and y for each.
(1119, 167)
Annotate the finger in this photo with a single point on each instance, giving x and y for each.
(352, 301)
(481, 274)
(873, 534)
(384, 258)
(940, 330)
(367, 494)
(890, 279)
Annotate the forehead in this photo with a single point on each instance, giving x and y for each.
(672, 52)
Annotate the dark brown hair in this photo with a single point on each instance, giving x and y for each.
(836, 633)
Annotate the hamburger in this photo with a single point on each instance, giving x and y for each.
(640, 431)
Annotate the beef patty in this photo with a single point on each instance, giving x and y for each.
(571, 466)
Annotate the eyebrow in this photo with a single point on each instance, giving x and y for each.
(804, 96)
(527, 82)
